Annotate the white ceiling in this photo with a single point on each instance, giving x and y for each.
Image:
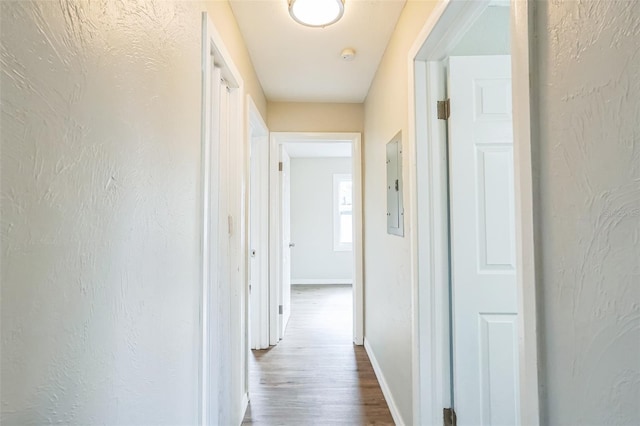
(302, 64)
(317, 149)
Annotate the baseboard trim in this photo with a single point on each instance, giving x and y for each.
(383, 385)
(314, 281)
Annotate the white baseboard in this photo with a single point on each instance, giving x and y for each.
(383, 385)
(314, 281)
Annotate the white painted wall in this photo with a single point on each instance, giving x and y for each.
(100, 173)
(388, 287)
(489, 35)
(587, 170)
(315, 117)
(313, 257)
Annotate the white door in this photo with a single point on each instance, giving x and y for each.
(259, 240)
(285, 301)
(216, 271)
(483, 280)
(258, 229)
(254, 264)
(211, 241)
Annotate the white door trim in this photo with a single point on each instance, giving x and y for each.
(215, 244)
(284, 214)
(427, 155)
(278, 138)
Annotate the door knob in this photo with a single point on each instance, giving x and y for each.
(292, 245)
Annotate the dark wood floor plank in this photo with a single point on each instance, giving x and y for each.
(315, 375)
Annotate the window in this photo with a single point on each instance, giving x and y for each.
(342, 213)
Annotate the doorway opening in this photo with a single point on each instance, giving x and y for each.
(476, 352)
(316, 222)
(315, 258)
(317, 233)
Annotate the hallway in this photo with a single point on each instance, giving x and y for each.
(315, 375)
(129, 131)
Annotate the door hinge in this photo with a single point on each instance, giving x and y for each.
(450, 418)
(444, 109)
(280, 166)
(280, 311)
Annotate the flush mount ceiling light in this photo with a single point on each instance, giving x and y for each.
(316, 13)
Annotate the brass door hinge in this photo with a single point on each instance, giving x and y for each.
(280, 166)
(450, 417)
(444, 110)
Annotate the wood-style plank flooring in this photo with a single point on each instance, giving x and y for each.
(315, 375)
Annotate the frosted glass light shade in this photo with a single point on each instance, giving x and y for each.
(316, 13)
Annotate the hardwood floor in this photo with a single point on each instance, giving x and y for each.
(315, 375)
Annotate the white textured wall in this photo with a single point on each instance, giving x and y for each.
(588, 176)
(387, 260)
(313, 256)
(100, 171)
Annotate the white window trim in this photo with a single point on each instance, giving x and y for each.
(337, 245)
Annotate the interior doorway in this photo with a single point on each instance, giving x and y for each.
(317, 224)
(326, 205)
(472, 316)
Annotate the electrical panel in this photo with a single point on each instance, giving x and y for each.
(395, 209)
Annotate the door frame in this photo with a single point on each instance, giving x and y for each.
(258, 296)
(214, 248)
(275, 258)
(429, 182)
(284, 184)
